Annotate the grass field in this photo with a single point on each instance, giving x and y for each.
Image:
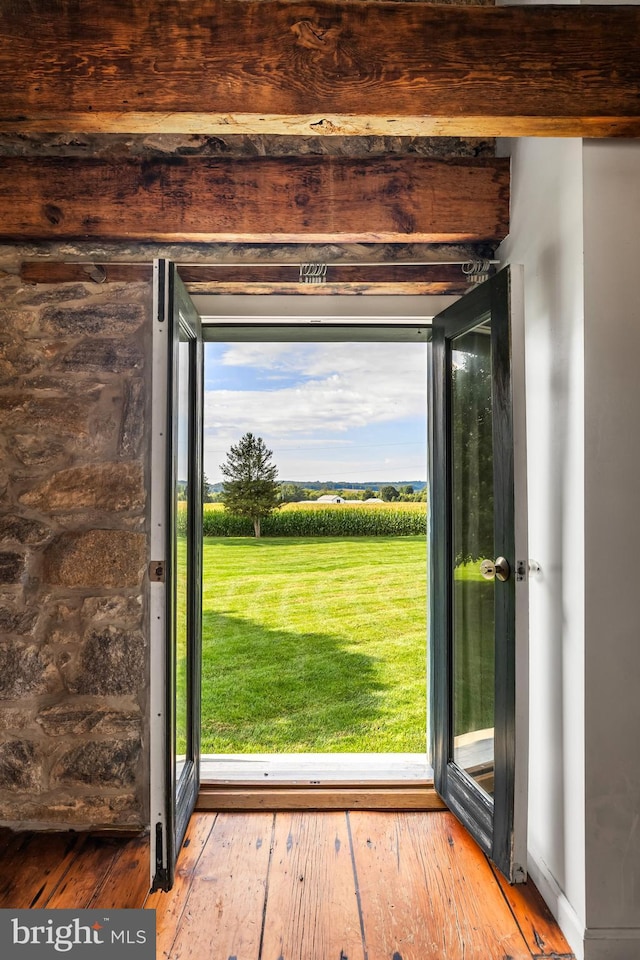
(314, 644)
(474, 666)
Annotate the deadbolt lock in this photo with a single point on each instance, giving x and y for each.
(495, 569)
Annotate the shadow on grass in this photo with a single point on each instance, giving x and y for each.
(275, 691)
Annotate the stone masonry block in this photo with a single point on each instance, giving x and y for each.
(103, 356)
(16, 324)
(105, 319)
(112, 763)
(113, 609)
(16, 360)
(15, 619)
(96, 558)
(57, 416)
(27, 671)
(132, 427)
(39, 294)
(20, 767)
(112, 663)
(67, 385)
(73, 719)
(15, 529)
(16, 718)
(12, 567)
(101, 486)
(34, 450)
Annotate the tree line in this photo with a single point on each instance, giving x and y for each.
(289, 492)
(251, 489)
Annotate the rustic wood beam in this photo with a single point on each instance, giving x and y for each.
(58, 271)
(443, 273)
(344, 278)
(299, 199)
(322, 66)
(370, 287)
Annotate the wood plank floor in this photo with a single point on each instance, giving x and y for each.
(355, 885)
(298, 885)
(71, 870)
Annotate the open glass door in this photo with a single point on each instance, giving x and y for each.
(479, 568)
(176, 567)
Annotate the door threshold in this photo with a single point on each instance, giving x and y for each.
(316, 769)
(344, 797)
(317, 781)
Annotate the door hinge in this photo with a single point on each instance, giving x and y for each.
(161, 876)
(156, 571)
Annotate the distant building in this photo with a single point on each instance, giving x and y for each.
(329, 498)
(374, 500)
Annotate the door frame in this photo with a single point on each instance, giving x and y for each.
(298, 797)
(171, 802)
(307, 791)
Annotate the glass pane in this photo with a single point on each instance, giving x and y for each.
(473, 596)
(182, 555)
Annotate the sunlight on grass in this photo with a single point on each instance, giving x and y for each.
(314, 645)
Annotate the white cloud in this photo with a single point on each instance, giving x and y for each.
(268, 356)
(331, 389)
(339, 386)
(317, 359)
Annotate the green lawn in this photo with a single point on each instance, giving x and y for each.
(314, 644)
(474, 667)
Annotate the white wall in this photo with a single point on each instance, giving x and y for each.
(575, 225)
(546, 236)
(612, 483)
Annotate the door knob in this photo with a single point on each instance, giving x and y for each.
(495, 569)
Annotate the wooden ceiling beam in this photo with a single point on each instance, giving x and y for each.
(319, 67)
(344, 278)
(51, 271)
(300, 199)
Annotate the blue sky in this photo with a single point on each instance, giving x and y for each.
(328, 411)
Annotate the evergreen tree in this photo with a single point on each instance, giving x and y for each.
(472, 450)
(249, 487)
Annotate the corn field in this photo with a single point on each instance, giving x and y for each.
(320, 520)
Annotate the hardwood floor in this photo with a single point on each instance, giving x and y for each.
(345, 886)
(72, 870)
(298, 885)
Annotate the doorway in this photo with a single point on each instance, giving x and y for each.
(492, 804)
(314, 636)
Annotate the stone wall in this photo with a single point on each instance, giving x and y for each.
(74, 393)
